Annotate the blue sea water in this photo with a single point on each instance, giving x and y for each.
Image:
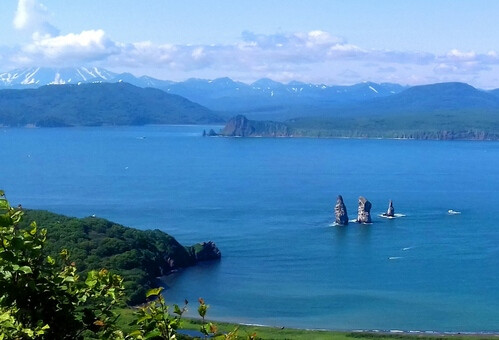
(268, 205)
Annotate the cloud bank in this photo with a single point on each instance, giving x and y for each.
(315, 56)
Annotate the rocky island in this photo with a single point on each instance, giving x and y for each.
(364, 211)
(340, 212)
(391, 211)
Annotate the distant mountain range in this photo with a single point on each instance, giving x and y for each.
(99, 104)
(263, 98)
(93, 96)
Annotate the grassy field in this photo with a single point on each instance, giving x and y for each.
(268, 333)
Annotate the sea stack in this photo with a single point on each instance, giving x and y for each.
(340, 212)
(364, 212)
(390, 212)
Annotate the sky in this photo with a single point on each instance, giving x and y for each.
(317, 41)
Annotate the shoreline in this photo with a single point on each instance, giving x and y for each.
(368, 331)
(373, 333)
(191, 325)
(363, 138)
(32, 126)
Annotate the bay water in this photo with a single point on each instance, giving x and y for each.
(268, 205)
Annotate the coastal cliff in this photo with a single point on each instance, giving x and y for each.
(439, 127)
(240, 126)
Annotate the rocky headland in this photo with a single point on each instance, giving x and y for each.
(139, 256)
(359, 127)
(240, 126)
(205, 251)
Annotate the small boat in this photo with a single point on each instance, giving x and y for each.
(453, 212)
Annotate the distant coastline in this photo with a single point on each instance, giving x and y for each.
(240, 126)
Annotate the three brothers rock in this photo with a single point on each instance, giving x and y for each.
(363, 211)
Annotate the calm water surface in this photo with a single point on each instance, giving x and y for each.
(268, 204)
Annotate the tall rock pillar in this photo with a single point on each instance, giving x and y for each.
(364, 211)
(340, 212)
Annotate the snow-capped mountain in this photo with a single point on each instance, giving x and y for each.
(33, 77)
(203, 88)
(222, 94)
(39, 76)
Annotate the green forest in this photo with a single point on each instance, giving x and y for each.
(139, 256)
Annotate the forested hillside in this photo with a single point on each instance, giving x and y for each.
(139, 256)
(98, 104)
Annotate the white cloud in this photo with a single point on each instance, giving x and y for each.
(71, 48)
(457, 55)
(33, 17)
(345, 51)
(315, 38)
(315, 56)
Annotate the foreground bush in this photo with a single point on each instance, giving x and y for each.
(43, 297)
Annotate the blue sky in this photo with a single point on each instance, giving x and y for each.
(331, 42)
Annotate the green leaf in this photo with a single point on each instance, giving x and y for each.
(92, 279)
(136, 333)
(29, 332)
(154, 292)
(33, 228)
(205, 329)
(202, 310)
(25, 269)
(177, 310)
(4, 204)
(50, 260)
(64, 254)
(69, 279)
(144, 318)
(152, 334)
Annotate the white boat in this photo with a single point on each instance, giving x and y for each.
(453, 212)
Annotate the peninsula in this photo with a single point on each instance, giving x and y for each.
(444, 111)
(139, 256)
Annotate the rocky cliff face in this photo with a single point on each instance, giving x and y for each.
(189, 256)
(205, 251)
(364, 211)
(240, 126)
(340, 212)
